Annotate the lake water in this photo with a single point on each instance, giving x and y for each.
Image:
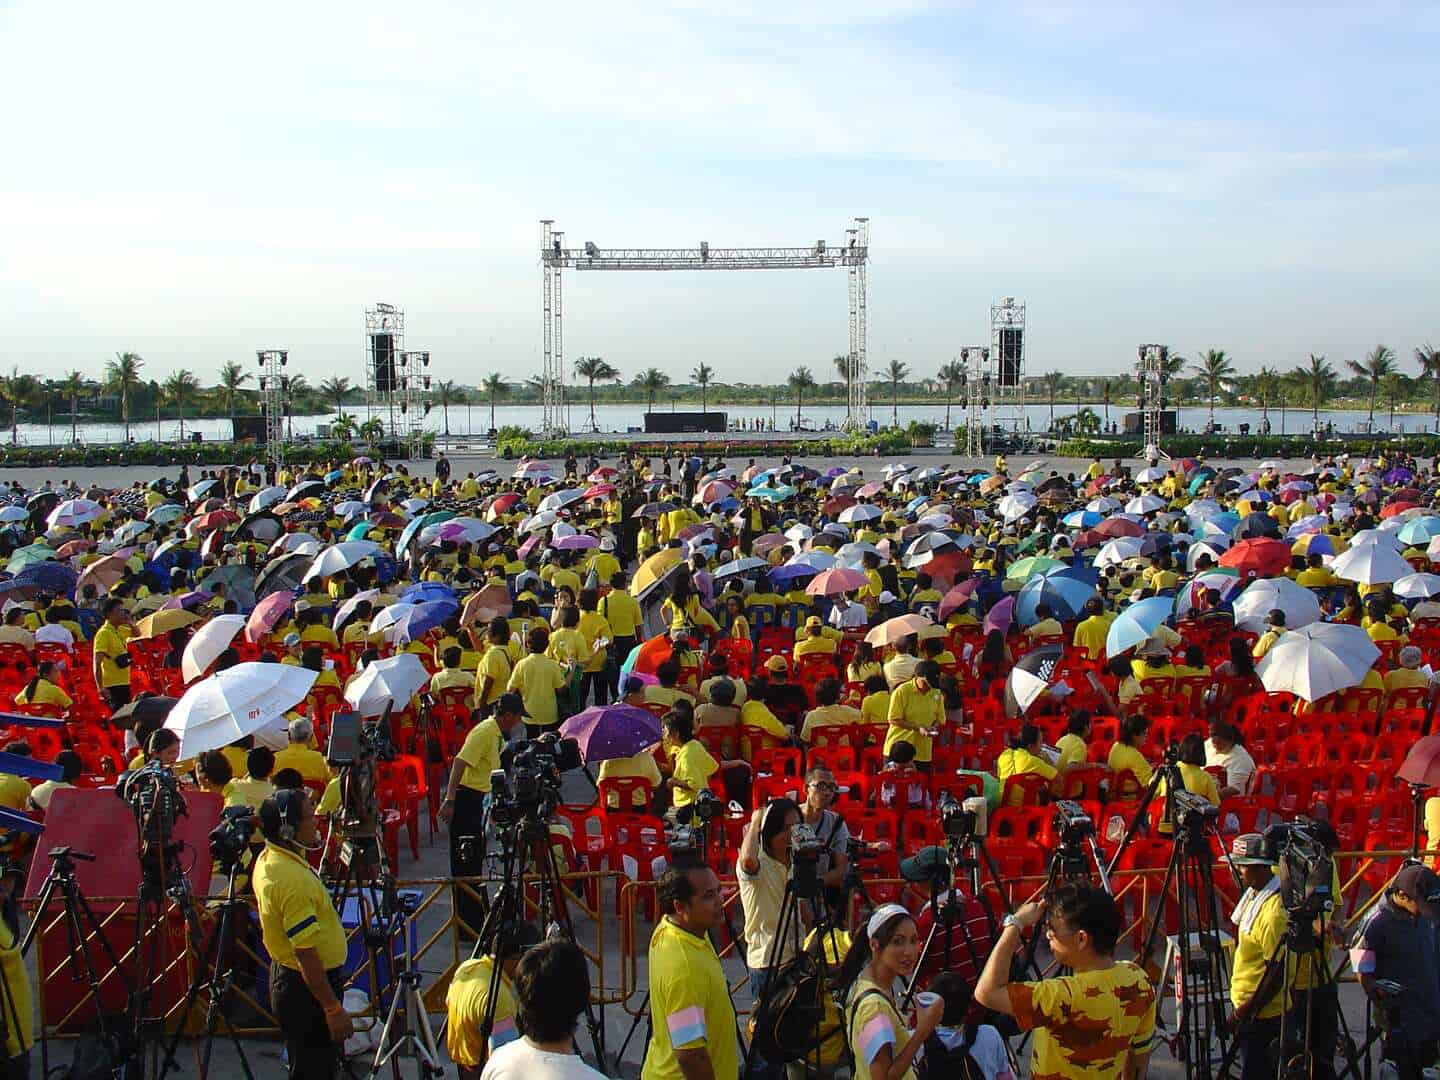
(474, 420)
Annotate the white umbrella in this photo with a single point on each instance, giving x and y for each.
(338, 557)
(860, 512)
(208, 643)
(74, 512)
(799, 533)
(1418, 586)
(1213, 546)
(534, 469)
(1116, 551)
(350, 605)
(1203, 508)
(266, 498)
(395, 679)
(1376, 536)
(389, 616)
(1371, 564)
(1104, 504)
(1145, 504)
(1266, 594)
(290, 542)
(1150, 476)
(1319, 659)
(351, 508)
(239, 701)
(413, 506)
(558, 500)
(1265, 465)
(542, 520)
(1014, 507)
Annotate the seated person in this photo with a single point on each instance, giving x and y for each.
(667, 692)
(720, 711)
(42, 690)
(875, 706)
(828, 712)
(43, 792)
(784, 697)
(757, 713)
(300, 756)
(901, 784)
(720, 665)
(1025, 757)
(255, 788)
(816, 639)
(468, 1000)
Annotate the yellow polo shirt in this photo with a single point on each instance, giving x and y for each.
(466, 1002)
(925, 709)
(295, 909)
(690, 1005)
(481, 754)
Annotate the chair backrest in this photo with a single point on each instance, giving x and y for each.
(777, 761)
(1026, 789)
(629, 794)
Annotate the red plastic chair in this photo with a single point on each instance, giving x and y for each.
(834, 758)
(1085, 782)
(777, 761)
(874, 827)
(854, 789)
(619, 792)
(765, 788)
(1026, 789)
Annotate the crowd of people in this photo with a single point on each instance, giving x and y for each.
(790, 647)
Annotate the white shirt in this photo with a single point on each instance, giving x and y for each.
(523, 1060)
(987, 1051)
(851, 618)
(1239, 766)
(55, 634)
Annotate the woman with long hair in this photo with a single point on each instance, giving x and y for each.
(886, 949)
(1234, 678)
(994, 660)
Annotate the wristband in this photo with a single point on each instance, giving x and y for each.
(331, 1010)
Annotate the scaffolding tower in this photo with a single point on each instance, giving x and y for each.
(414, 399)
(852, 255)
(274, 386)
(976, 361)
(1007, 355)
(1151, 374)
(384, 344)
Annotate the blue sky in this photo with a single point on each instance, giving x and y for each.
(192, 182)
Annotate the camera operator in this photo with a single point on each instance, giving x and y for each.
(302, 933)
(964, 936)
(16, 997)
(468, 999)
(1258, 976)
(466, 796)
(692, 1016)
(552, 982)
(829, 828)
(762, 869)
(1399, 943)
(1098, 1021)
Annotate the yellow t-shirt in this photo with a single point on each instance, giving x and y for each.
(642, 765)
(692, 767)
(12, 964)
(1020, 762)
(1127, 757)
(824, 716)
(1253, 949)
(758, 714)
(481, 754)
(1088, 1024)
(1073, 750)
(245, 791)
(110, 643)
(875, 708)
(295, 909)
(690, 1005)
(622, 612)
(466, 1002)
(539, 679)
(14, 791)
(310, 764)
(594, 627)
(496, 664)
(46, 693)
(872, 1024)
(925, 709)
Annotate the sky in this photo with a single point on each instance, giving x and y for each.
(192, 182)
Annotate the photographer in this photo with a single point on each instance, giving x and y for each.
(302, 933)
(466, 795)
(1258, 976)
(829, 828)
(965, 935)
(1399, 943)
(16, 996)
(552, 982)
(692, 1016)
(762, 870)
(468, 999)
(1098, 1021)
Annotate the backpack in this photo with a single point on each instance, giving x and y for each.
(788, 1019)
(942, 1063)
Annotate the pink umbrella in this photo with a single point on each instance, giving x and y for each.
(1000, 616)
(578, 542)
(713, 491)
(73, 547)
(528, 546)
(690, 532)
(832, 582)
(958, 597)
(875, 487)
(267, 616)
(768, 542)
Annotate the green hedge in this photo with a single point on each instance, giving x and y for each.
(1252, 446)
(518, 443)
(151, 453)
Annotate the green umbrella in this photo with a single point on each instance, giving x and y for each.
(29, 556)
(359, 532)
(1025, 569)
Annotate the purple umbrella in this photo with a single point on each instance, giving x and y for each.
(578, 542)
(189, 602)
(605, 732)
(999, 616)
(1398, 475)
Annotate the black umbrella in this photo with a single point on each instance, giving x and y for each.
(1055, 483)
(146, 709)
(263, 526)
(282, 573)
(1255, 525)
(1030, 677)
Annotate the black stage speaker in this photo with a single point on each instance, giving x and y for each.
(1011, 350)
(657, 423)
(382, 346)
(250, 427)
(1135, 422)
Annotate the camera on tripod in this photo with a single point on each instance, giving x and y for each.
(526, 787)
(1306, 870)
(964, 821)
(686, 836)
(153, 795)
(354, 741)
(1192, 813)
(1072, 824)
(805, 849)
(230, 839)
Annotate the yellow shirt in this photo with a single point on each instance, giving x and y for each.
(496, 664)
(816, 646)
(872, 1024)
(1397, 679)
(14, 791)
(875, 708)
(1253, 949)
(245, 791)
(1020, 762)
(568, 646)
(918, 710)
(690, 1005)
(46, 693)
(1265, 643)
(310, 764)
(641, 765)
(1073, 750)
(539, 679)
(12, 964)
(295, 909)
(451, 678)
(594, 627)
(1087, 1024)
(758, 714)
(481, 754)
(692, 767)
(466, 1002)
(622, 612)
(110, 643)
(1123, 756)
(824, 716)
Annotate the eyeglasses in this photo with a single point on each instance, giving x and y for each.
(823, 785)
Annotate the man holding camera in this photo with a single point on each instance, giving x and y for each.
(303, 937)
(1258, 977)
(964, 935)
(1398, 946)
(468, 792)
(692, 1016)
(762, 869)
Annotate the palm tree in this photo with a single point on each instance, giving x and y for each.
(344, 427)
(122, 375)
(1214, 368)
(1266, 385)
(895, 375)
(1318, 383)
(71, 387)
(591, 368)
(652, 381)
(296, 387)
(232, 377)
(1397, 388)
(179, 388)
(1052, 387)
(1378, 362)
(447, 394)
(335, 390)
(496, 387)
(952, 375)
(800, 380)
(1428, 357)
(1107, 394)
(842, 366)
(373, 430)
(702, 377)
(21, 392)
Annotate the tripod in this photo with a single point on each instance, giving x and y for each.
(415, 1037)
(161, 881)
(216, 961)
(1077, 855)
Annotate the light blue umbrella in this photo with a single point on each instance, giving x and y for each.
(1136, 623)
(408, 533)
(1061, 589)
(165, 513)
(775, 494)
(1082, 519)
(740, 566)
(1419, 531)
(360, 531)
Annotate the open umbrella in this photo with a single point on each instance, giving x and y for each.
(897, 629)
(284, 574)
(144, 711)
(1371, 564)
(1417, 586)
(1264, 557)
(73, 512)
(340, 557)
(163, 621)
(1000, 616)
(1136, 623)
(740, 566)
(860, 512)
(50, 577)
(1317, 660)
(493, 601)
(207, 643)
(267, 615)
(394, 680)
(1117, 551)
(1030, 678)
(242, 700)
(1264, 595)
(839, 580)
(103, 573)
(348, 607)
(1062, 591)
(1116, 527)
(1014, 507)
(957, 597)
(606, 732)
(419, 619)
(1025, 569)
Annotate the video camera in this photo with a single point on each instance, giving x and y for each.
(527, 784)
(805, 849)
(230, 839)
(354, 741)
(1190, 812)
(686, 836)
(1306, 870)
(154, 797)
(1072, 824)
(964, 821)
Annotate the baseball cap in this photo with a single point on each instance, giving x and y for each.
(291, 638)
(887, 597)
(511, 703)
(1421, 884)
(776, 663)
(1248, 849)
(814, 621)
(925, 864)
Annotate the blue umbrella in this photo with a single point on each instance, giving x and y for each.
(728, 504)
(333, 475)
(360, 531)
(1135, 624)
(51, 577)
(427, 592)
(1062, 590)
(775, 494)
(422, 618)
(1082, 519)
(408, 533)
(792, 571)
(1419, 530)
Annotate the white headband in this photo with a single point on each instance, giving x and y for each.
(883, 914)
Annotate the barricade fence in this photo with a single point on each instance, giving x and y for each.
(440, 941)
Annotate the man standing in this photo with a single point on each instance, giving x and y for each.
(111, 660)
(691, 1014)
(1097, 1022)
(1258, 977)
(466, 796)
(1398, 942)
(762, 870)
(303, 936)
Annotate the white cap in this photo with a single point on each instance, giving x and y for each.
(887, 597)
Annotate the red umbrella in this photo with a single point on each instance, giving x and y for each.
(836, 503)
(945, 564)
(213, 520)
(600, 491)
(1262, 556)
(604, 472)
(1397, 508)
(267, 615)
(1118, 526)
(1097, 486)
